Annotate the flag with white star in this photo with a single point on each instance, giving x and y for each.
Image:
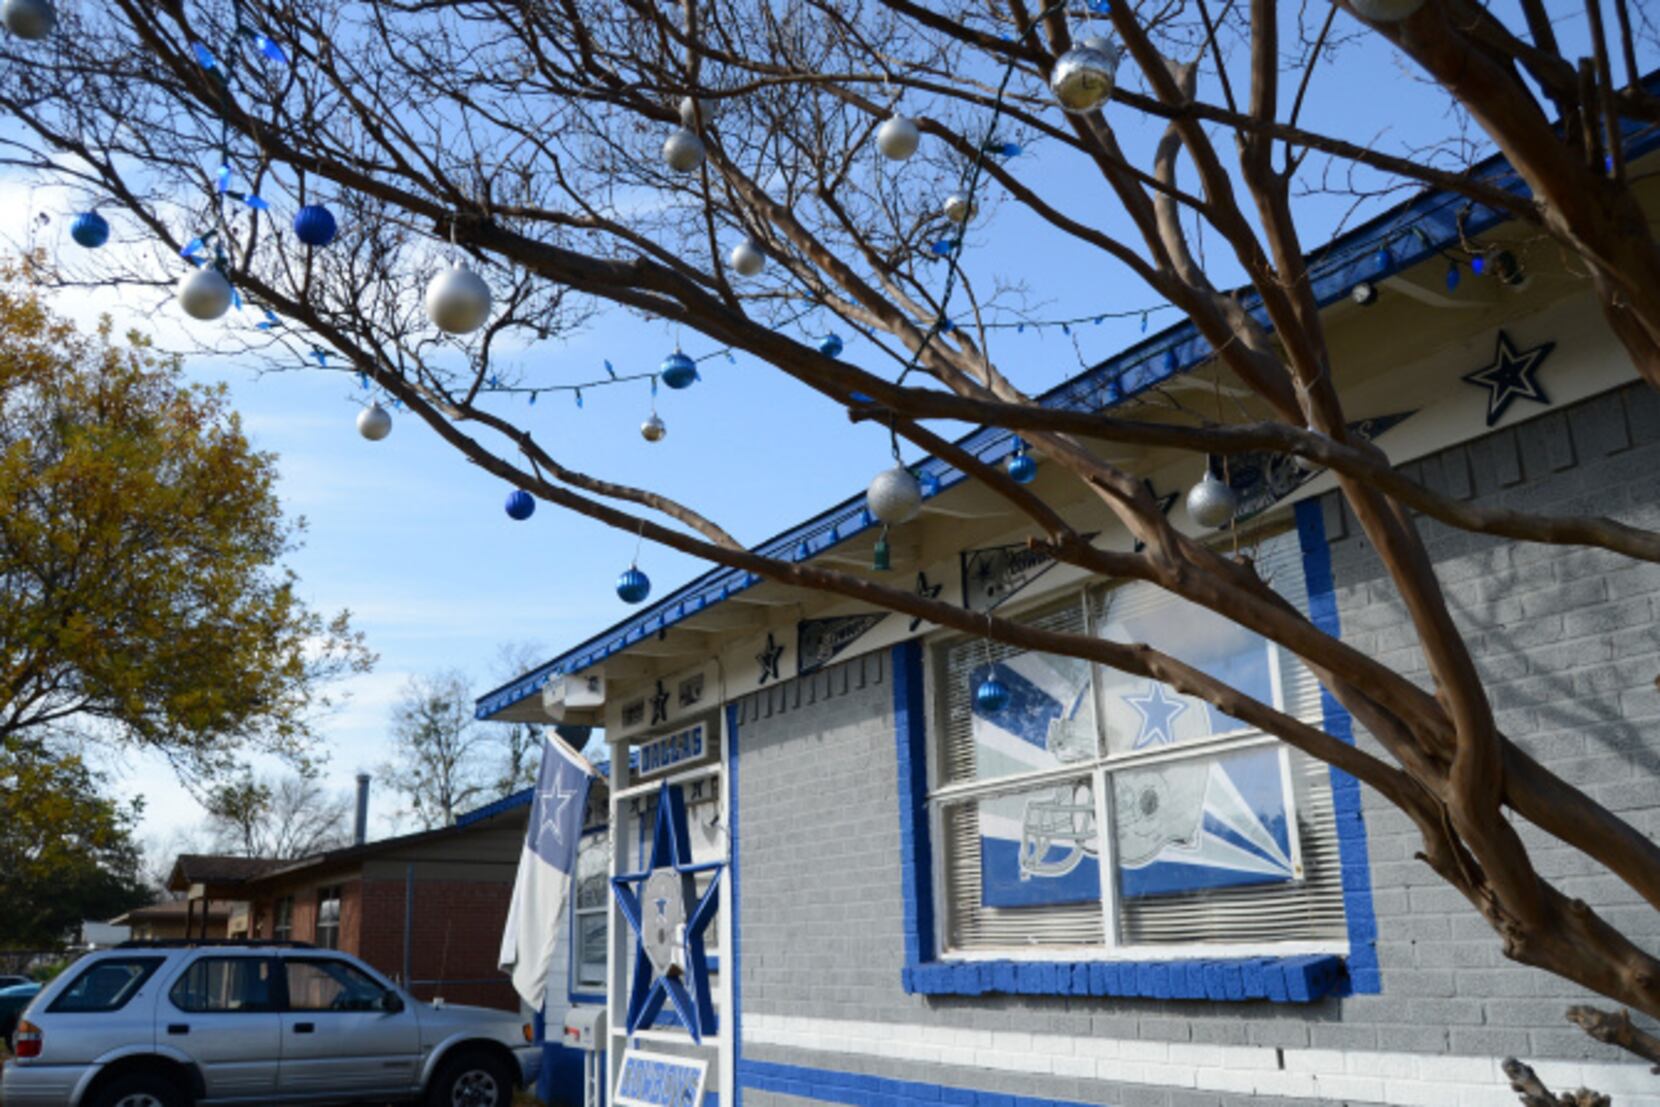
(535, 918)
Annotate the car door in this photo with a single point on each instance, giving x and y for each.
(222, 1012)
(343, 1032)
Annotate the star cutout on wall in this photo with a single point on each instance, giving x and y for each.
(659, 705)
(926, 591)
(769, 657)
(1511, 375)
(1158, 711)
(670, 967)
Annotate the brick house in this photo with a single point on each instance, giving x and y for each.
(427, 909)
(1109, 893)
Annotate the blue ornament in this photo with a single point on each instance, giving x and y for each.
(1383, 259)
(633, 586)
(1452, 276)
(520, 505)
(1022, 468)
(991, 697)
(90, 230)
(678, 370)
(314, 225)
(1478, 265)
(830, 345)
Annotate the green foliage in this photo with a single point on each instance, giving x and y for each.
(141, 597)
(66, 850)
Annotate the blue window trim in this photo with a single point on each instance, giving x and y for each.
(1297, 979)
(858, 1090)
(733, 873)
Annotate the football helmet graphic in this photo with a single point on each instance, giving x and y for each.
(1058, 828)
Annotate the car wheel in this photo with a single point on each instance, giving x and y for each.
(472, 1080)
(138, 1090)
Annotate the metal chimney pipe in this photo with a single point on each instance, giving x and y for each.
(360, 832)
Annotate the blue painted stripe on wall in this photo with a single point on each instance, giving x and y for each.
(1364, 974)
(733, 871)
(830, 1086)
(910, 735)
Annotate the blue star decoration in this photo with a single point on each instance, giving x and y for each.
(552, 802)
(1511, 376)
(1158, 712)
(768, 659)
(670, 963)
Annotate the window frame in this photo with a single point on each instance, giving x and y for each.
(1099, 770)
(273, 1004)
(577, 989)
(325, 894)
(282, 919)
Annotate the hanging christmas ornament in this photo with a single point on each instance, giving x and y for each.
(1452, 276)
(1383, 259)
(205, 294)
(696, 114)
(747, 258)
(633, 586)
(90, 230)
(374, 422)
(991, 696)
(959, 208)
(653, 429)
(521, 505)
(314, 225)
(29, 19)
(683, 151)
(897, 138)
(881, 557)
(678, 371)
(458, 300)
(1211, 502)
(1385, 11)
(1022, 467)
(830, 345)
(1084, 76)
(895, 496)
(1364, 293)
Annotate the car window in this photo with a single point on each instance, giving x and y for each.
(224, 984)
(106, 985)
(329, 985)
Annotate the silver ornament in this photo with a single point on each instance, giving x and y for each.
(895, 496)
(747, 258)
(1385, 11)
(696, 114)
(653, 429)
(29, 19)
(1212, 503)
(374, 422)
(458, 300)
(683, 151)
(1084, 76)
(897, 137)
(959, 208)
(205, 294)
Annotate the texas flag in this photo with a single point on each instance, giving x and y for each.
(535, 919)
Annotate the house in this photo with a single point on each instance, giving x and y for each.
(174, 919)
(205, 879)
(1110, 893)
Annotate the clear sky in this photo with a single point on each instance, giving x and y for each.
(415, 542)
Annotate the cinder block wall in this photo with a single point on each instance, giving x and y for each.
(1568, 638)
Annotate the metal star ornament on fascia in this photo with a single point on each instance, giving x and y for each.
(668, 917)
(1511, 375)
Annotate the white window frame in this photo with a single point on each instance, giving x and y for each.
(1100, 771)
(578, 985)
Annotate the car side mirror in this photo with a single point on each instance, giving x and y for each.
(391, 1002)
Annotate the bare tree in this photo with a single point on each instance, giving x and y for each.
(437, 765)
(525, 134)
(287, 817)
(520, 743)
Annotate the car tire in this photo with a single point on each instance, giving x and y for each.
(138, 1090)
(471, 1079)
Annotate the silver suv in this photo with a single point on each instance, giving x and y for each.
(174, 1024)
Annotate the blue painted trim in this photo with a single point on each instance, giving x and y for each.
(1301, 979)
(734, 873)
(1364, 974)
(916, 854)
(491, 810)
(830, 1086)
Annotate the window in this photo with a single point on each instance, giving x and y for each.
(1110, 814)
(105, 985)
(589, 906)
(282, 919)
(224, 984)
(329, 985)
(328, 917)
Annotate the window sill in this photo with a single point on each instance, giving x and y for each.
(1300, 979)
